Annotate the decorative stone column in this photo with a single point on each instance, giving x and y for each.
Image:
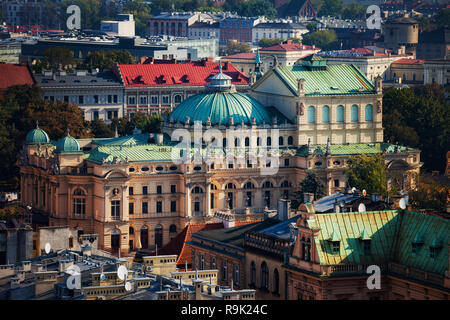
(188, 200)
(208, 199)
(137, 239)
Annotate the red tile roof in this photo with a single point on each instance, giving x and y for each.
(410, 61)
(243, 55)
(178, 244)
(14, 74)
(289, 46)
(180, 74)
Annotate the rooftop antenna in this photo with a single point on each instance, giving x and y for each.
(361, 207)
(402, 203)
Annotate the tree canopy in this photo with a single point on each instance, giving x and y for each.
(311, 184)
(265, 42)
(106, 60)
(323, 39)
(367, 172)
(419, 117)
(141, 13)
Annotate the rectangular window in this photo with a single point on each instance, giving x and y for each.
(66, 98)
(70, 242)
(131, 208)
(173, 206)
(158, 206)
(132, 100)
(115, 210)
(115, 98)
(143, 100)
(130, 191)
(154, 99)
(158, 189)
(95, 115)
(286, 162)
(144, 207)
(173, 188)
(96, 99)
(80, 99)
(336, 183)
(109, 98)
(367, 247)
(145, 190)
(165, 99)
(197, 206)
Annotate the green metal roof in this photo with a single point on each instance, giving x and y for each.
(67, 144)
(37, 136)
(332, 80)
(391, 232)
(219, 107)
(354, 149)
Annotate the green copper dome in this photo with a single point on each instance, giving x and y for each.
(219, 107)
(67, 144)
(37, 136)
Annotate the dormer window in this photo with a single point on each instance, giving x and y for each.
(417, 243)
(366, 242)
(435, 248)
(335, 246)
(366, 246)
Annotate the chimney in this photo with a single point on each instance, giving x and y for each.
(159, 138)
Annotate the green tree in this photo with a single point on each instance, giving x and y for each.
(57, 58)
(367, 172)
(141, 14)
(331, 8)
(147, 123)
(106, 60)
(311, 26)
(265, 42)
(354, 11)
(324, 39)
(234, 47)
(100, 129)
(442, 18)
(311, 184)
(430, 194)
(90, 12)
(419, 117)
(21, 107)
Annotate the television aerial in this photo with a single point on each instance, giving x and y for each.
(402, 203)
(361, 207)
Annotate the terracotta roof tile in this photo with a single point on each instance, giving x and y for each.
(180, 74)
(409, 61)
(243, 55)
(14, 74)
(289, 47)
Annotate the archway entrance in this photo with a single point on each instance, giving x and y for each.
(115, 240)
(144, 237)
(159, 236)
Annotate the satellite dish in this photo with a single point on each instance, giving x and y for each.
(402, 203)
(361, 207)
(353, 190)
(364, 192)
(48, 247)
(102, 277)
(406, 197)
(122, 272)
(128, 286)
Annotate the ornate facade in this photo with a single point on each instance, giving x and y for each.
(139, 191)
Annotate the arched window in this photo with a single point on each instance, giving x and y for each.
(285, 184)
(354, 113)
(197, 190)
(236, 274)
(237, 142)
(264, 276)
(224, 271)
(276, 281)
(258, 141)
(131, 230)
(249, 185)
(79, 202)
(224, 142)
(202, 261)
(269, 141)
(340, 114)
(159, 236)
(172, 228)
(252, 273)
(247, 141)
(267, 184)
(230, 186)
(290, 140)
(280, 141)
(177, 98)
(368, 112)
(325, 114)
(311, 114)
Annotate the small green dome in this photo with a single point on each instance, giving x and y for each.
(67, 144)
(37, 136)
(219, 107)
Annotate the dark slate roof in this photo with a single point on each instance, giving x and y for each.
(434, 37)
(233, 236)
(101, 79)
(289, 25)
(280, 230)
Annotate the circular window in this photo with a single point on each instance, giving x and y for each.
(336, 163)
(173, 168)
(318, 163)
(159, 168)
(197, 168)
(131, 169)
(144, 169)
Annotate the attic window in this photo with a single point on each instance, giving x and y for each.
(417, 243)
(366, 247)
(435, 247)
(335, 246)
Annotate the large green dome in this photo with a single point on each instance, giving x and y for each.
(37, 136)
(219, 107)
(67, 144)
